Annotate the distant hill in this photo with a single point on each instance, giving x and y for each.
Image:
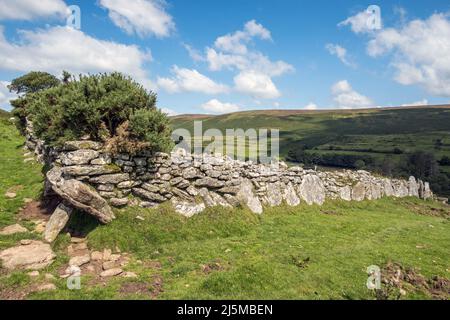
(375, 137)
(4, 114)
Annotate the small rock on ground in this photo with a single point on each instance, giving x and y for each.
(111, 272)
(13, 229)
(80, 260)
(46, 287)
(10, 195)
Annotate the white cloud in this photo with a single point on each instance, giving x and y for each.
(143, 17)
(254, 69)
(423, 102)
(31, 9)
(339, 52)
(187, 80)
(420, 53)
(193, 53)
(5, 95)
(362, 22)
(346, 98)
(216, 106)
(236, 42)
(311, 106)
(256, 84)
(169, 112)
(62, 48)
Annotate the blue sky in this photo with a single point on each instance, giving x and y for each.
(213, 56)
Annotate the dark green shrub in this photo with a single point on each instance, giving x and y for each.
(95, 107)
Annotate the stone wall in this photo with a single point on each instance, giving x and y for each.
(88, 178)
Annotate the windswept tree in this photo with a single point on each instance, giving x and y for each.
(26, 86)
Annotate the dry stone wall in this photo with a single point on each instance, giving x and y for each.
(86, 177)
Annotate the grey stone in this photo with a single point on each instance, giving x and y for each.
(34, 256)
(290, 196)
(13, 229)
(413, 187)
(57, 222)
(118, 202)
(247, 198)
(345, 193)
(209, 183)
(147, 195)
(90, 170)
(78, 157)
(312, 190)
(186, 208)
(359, 192)
(191, 173)
(80, 196)
(77, 145)
(110, 178)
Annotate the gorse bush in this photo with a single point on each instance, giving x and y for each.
(95, 107)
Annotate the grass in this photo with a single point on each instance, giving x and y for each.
(307, 252)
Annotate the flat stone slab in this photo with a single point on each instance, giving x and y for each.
(34, 256)
(13, 229)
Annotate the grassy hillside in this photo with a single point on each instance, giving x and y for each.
(308, 252)
(372, 135)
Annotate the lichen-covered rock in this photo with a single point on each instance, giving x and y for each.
(187, 209)
(35, 255)
(312, 190)
(290, 196)
(80, 196)
(90, 170)
(247, 198)
(274, 194)
(147, 195)
(209, 183)
(57, 222)
(413, 187)
(78, 157)
(111, 178)
(359, 192)
(85, 144)
(388, 188)
(345, 193)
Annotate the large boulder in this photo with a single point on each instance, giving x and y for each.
(312, 190)
(57, 222)
(388, 189)
(80, 196)
(35, 255)
(247, 198)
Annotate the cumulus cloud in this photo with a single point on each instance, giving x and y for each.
(31, 9)
(339, 52)
(193, 53)
(420, 53)
(254, 69)
(187, 80)
(311, 106)
(5, 95)
(363, 22)
(141, 17)
(346, 98)
(63, 48)
(256, 84)
(215, 106)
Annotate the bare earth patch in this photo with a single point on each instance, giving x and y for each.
(398, 280)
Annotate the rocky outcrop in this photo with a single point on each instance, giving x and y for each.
(32, 255)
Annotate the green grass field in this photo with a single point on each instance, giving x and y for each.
(308, 252)
(380, 129)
